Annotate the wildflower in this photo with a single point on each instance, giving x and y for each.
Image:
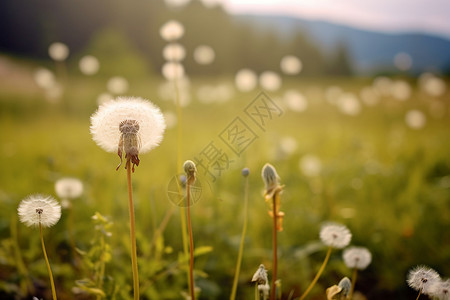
(204, 55)
(335, 236)
(260, 276)
(421, 278)
(69, 188)
(440, 289)
(339, 291)
(39, 209)
(357, 257)
(128, 124)
(58, 51)
(171, 30)
(89, 65)
(174, 52)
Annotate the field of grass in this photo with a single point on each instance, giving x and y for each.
(387, 182)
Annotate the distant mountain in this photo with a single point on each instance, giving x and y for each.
(370, 51)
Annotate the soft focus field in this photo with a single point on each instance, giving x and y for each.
(388, 182)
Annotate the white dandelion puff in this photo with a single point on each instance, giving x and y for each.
(174, 52)
(421, 278)
(89, 65)
(440, 289)
(204, 55)
(245, 80)
(39, 209)
(171, 30)
(291, 65)
(58, 51)
(357, 257)
(335, 235)
(131, 124)
(69, 188)
(260, 276)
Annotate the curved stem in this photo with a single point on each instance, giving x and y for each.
(275, 255)
(354, 277)
(325, 261)
(420, 292)
(241, 246)
(191, 242)
(132, 233)
(48, 264)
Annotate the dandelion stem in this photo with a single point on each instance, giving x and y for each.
(257, 297)
(420, 292)
(48, 264)
(322, 267)
(241, 245)
(132, 233)
(275, 254)
(191, 241)
(354, 277)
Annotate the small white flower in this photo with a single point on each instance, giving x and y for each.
(440, 289)
(58, 51)
(131, 124)
(421, 278)
(174, 52)
(204, 55)
(335, 235)
(69, 188)
(260, 276)
(41, 209)
(171, 30)
(89, 65)
(357, 257)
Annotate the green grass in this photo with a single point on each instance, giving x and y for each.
(396, 180)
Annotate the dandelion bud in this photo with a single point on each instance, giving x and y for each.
(270, 177)
(345, 284)
(190, 169)
(260, 276)
(245, 172)
(333, 292)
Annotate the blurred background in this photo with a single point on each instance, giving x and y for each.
(361, 138)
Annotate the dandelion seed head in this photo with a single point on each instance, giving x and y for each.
(174, 52)
(291, 65)
(89, 65)
(189, 168)
(204, 55)
(37, 209)
(140, 116)
(357, 257)
(171, 31)
(117, 85)
(58, 51)
(335, 235)
(270, 176)
(440, 289)
(415, 119)
(245, 80)
(270, 81)
(245, 172)
(44, 78)
(173, 70)
(69, 188)
(422, 278)
(260, 276)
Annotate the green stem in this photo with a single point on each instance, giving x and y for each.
(191, 242)
(275, 246)
(241, 245)
(102, 268)
(132, 233)
(257, 297)
(354, 277)
(325, 261)
(48, 264)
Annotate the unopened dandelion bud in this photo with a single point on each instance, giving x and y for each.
(334, 292)
(190, 170)
(245, 172)
(346, 285)
(270, 177)
(260, 276)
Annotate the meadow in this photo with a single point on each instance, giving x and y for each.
(384, 175)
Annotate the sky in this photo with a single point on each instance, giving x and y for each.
(429, 16)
